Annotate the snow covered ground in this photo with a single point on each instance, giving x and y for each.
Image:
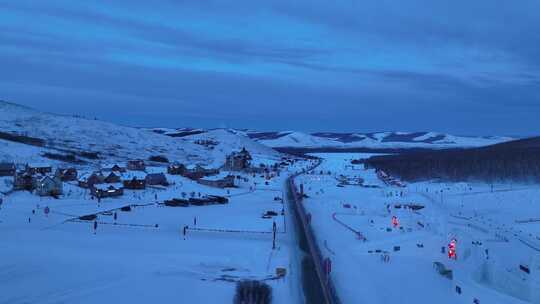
(496, 230)
(142, 256)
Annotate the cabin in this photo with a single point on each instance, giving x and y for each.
(136, 165)
(48, 185)
(238, 161)
(134, 180)
(114, 168)
(7, 169)
(88, 180)
(154, 179)
(23, 181)
(218, 181)
(176, 169)
(109, 190)
(66, 174)
(37, 168)
(112, 178)
(191, 171)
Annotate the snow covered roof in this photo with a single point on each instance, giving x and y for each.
(39, 165)
(133, 174)
(217, 177)
(105, 187)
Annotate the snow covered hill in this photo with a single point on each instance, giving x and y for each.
(371, 140)
(27, 135)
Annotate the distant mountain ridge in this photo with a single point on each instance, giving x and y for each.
(374, 140)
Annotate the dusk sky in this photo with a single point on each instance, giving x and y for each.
(464, 67)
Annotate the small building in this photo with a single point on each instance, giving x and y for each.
(136, 165)
(134, 180)
(176, 169)
(23, 181)
(218, 181)
(238, 161)
(114, 168)
(7, 169)
(88, 180)
(191, 171)
(156, 179)
(108, 190)
(67, 174)
(38, 168)
(112, 178)
(48, 185)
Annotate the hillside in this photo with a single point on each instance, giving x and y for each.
(27, 134)
(511, 161)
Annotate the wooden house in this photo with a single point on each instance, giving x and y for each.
(67, 174)
(238, 161)
(23, 181)
(48, 185)
(136, 165)
(176, 169)
(113, 168)
(7, 169)
(90, 179)
(134, 180)
(108, 190)
(218, 181)
(38, 168)
(156, 179)
(112, 178)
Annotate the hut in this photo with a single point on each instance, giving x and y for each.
(66, 174)
(136, 165)
(134, 180)
(156, 179)
(176, 169)
(23, 181)
(38, 168)
(88, 180)
(48, 185)
(112, 178)
(109, 190)
(113, 167)
(7, 169)
(218, 181)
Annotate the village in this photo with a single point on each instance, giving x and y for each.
(116, 213)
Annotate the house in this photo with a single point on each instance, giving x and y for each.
(136, 165)
(7, 169)
(23, 181)
(238, 161)
(218, 181)
(66, 174)
(48, 185)
(156, 179)
(109, 190)
(38, 168)
(113, 167)
(134, 180)
(112, 178)
(191, 171)
(176, 169)
(88, 180)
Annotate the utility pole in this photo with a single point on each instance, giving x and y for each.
(274, 228)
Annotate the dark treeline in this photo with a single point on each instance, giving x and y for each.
(516, 160)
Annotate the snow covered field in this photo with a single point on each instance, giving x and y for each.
(496, 229)
(142, 256)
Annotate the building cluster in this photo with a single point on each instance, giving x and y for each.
(389, 180)
(38, 178)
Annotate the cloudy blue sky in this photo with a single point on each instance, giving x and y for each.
(465, 67)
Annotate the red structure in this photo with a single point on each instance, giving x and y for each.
(452, 250)
(395, 221)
